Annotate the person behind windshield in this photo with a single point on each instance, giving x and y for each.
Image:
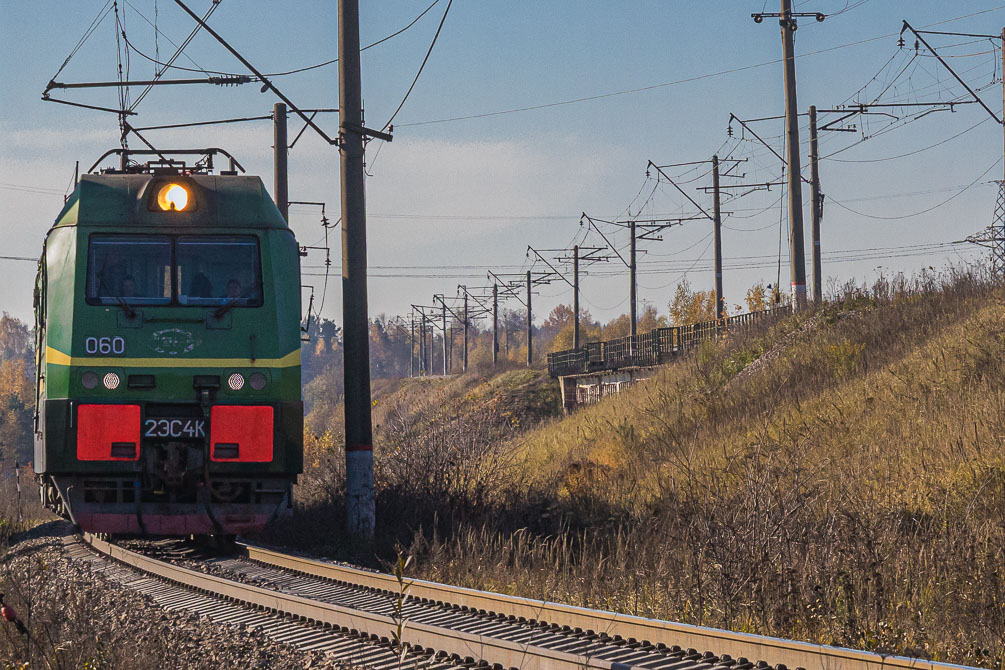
(112, 274)
(233, 289)
(201, 287)
(127, 288)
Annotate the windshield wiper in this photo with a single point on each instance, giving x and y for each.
(226, 307)
(126, 307)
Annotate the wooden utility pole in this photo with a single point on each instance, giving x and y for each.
(495, 324)
(797, 260)
(818, 206)
(355, 319)
(633, 290)
(575, 297)
(530, 326)
(280, 154)
(720, 306)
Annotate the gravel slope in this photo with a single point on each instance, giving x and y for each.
(80, 619)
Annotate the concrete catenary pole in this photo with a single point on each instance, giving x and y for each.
(998, 223)
(575, 297)
(495, 324)
(280, 152)
(818, 207)
(443, 304)
(464, 361)
(422, 343)
(427, 345)
(411, 345)
(355, 319)
(720, 303)
(530, 326)
(430, 343)
(633, 290)
(797, 258)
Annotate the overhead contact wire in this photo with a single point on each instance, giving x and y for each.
(421, 66)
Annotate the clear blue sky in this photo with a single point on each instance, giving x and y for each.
(451, 199)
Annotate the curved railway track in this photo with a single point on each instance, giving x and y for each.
(445, 626)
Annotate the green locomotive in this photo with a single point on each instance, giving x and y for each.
(168, 348)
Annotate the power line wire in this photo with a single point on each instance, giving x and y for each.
(924, 211)
(98, 19)
(287, 72)
(678, 81)
(421, 66)
(910, 153)
(769, 262)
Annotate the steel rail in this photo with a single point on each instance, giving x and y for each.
(351, 648)
(794, 654)
(466, 645)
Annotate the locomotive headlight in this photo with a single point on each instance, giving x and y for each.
(89, 380)
(111, 381)
(236, 381)
(172, 198)
(257, 381)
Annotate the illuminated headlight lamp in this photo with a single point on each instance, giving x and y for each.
(172, 197)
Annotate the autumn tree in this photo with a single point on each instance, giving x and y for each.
(389, 348)
(17, 389)
(650, 320)
(16, 339)
(589, 331)
(690, 306)
(560, 317)
(757, 297)
(777, 297)
(619, 326)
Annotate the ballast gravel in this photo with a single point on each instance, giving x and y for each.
(77, 618)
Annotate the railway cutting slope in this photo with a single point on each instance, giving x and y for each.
(836, 478)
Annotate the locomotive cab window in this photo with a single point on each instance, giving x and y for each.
(216, 270)
(135, 269)
(196, 270)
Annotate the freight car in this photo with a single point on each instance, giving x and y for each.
(167, 309)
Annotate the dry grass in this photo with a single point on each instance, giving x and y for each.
(20, 508)
(440, 449)
(837, 477)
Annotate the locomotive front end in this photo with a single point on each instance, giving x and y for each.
(169, 356)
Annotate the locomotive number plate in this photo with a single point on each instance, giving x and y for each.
(179, 428)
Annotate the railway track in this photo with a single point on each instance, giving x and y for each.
(320, 605)
(357, 649)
